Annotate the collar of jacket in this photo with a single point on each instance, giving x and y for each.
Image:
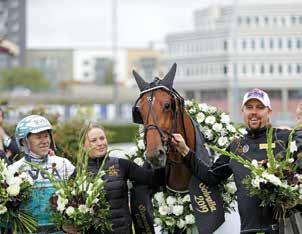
(95, 161)
(255, 133)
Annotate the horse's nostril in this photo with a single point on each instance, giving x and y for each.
(161, 153)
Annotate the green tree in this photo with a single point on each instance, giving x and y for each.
(30, 78)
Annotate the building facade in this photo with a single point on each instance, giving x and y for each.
(235, 48)
(13, 29)
(55, 64)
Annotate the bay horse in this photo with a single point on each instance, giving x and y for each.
(161, 110)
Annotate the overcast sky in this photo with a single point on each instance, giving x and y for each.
(88, 23)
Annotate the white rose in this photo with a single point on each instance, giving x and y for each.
(70, 210)
(164, 210)
(180, 223)
(13, 190)
(186, 198)
(203, 107)
(231, 128)
(141, 144)
(11, 179)
(3, 209)
(170, 222)
(190, 219)
(188, 103)
(225, 118)
(208, 134)
(217, 127)
(200, 117)
(139, 161)
(231, 187)
(210, 120)
(222, 141)
(177, 210)
(159, 197)
(212, 109)
(192, 111)
(171, 200)
(293, 146)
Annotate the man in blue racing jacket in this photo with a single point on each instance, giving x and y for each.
(34, 139)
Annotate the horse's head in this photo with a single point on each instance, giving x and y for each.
(157, 108)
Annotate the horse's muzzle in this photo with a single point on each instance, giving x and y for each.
(157, 159)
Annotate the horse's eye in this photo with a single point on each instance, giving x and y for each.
(167, 106)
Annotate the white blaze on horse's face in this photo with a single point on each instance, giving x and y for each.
(156, 111)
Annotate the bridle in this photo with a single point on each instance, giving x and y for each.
(165, 136)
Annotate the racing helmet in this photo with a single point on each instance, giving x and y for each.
(31, 124)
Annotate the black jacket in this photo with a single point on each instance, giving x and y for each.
(253, 217)
(118, 171)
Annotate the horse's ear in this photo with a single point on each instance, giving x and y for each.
(169, 77)
(142, 85)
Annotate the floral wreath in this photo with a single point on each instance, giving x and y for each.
(175, 211)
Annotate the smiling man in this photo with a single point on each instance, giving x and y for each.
(34, 138)
(256, 112)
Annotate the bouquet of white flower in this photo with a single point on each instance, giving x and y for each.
(15, 190)
(173, 211)
(79, 203)
(276, 181)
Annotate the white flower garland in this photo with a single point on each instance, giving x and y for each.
(214, 124)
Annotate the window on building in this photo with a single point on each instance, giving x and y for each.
(298, 68)
(283, 21)
(85, 62)
(253, 44)
(266, 20)
(271, 69)
(274, 94)
(275, 20)
(295, 94)
(257, 20)
(225, 69)
(298, 44)
(248, 21)
(243, 44)
(244, 69)
(289, 43)
(253, 68)
(280, 43)
(189, 94)
(214, 94)
(262, 70)
(239, 20)
(271, 43)
(289, 69)
(280, 69)
(300, 19)
(293, 19)
(262, 43)
(225, 45)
